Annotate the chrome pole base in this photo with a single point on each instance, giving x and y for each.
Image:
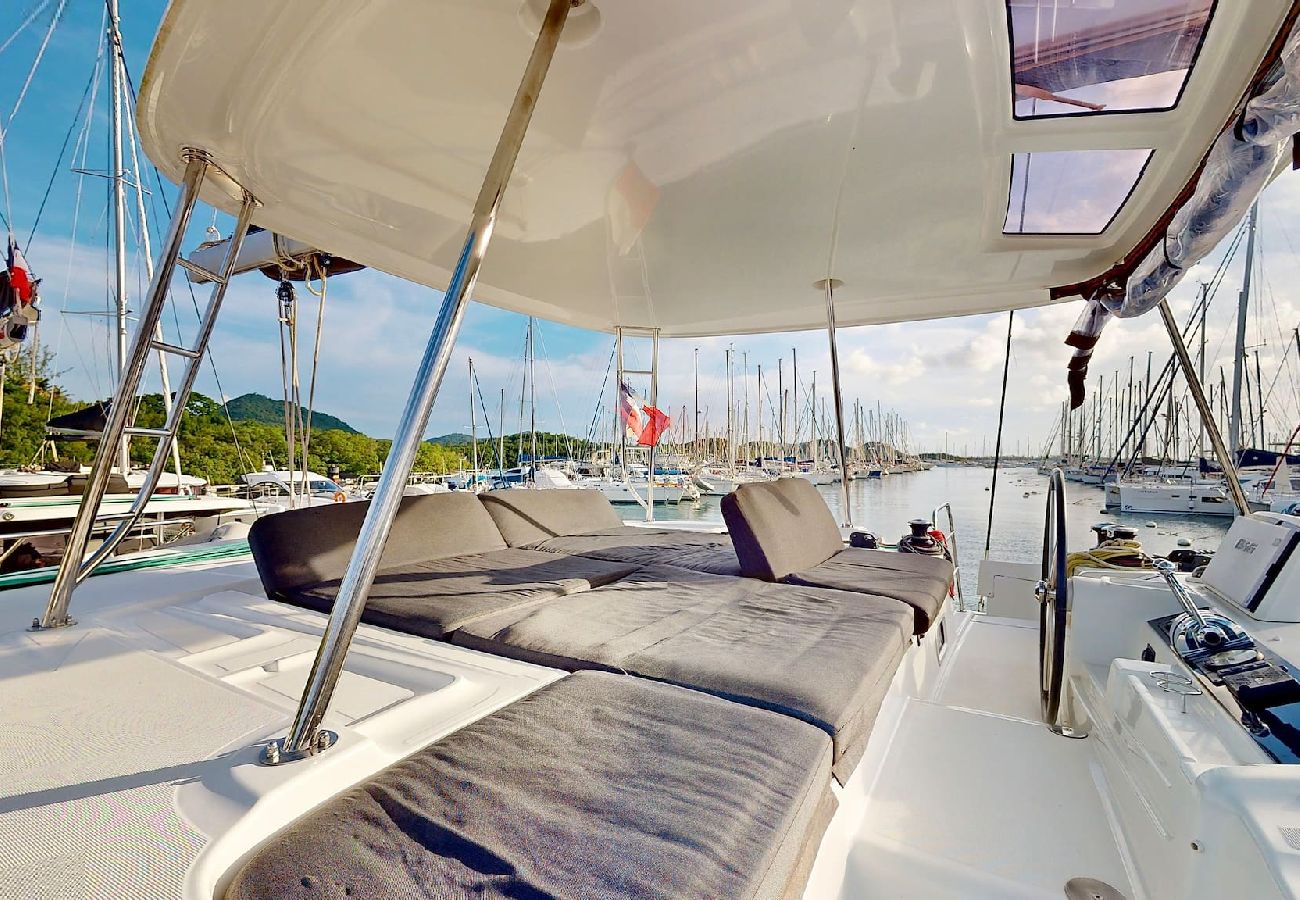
(64, 622)
(276, 753)
(1065, 731)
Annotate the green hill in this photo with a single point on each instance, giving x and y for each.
(455, 439)
(256, 408)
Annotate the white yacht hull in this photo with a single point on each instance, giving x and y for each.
(1169, 499)
(637, 492)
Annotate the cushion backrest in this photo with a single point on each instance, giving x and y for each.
(303, 547)
(527, 516)
(779, 527)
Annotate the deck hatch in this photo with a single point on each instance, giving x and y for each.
(1081, 57)
(1070, 191)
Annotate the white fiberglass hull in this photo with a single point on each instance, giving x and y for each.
(637, 491)
(1172, 499)
(819, 477)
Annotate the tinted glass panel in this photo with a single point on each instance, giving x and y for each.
(1070, 191)
(1072, 57)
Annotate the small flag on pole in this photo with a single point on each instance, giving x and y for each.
(645, 424)
(20, 275)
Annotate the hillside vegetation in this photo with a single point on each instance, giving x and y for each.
(257, 408)
(211, 447)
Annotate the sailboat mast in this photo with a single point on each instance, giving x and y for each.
(118, 183)
(1239, 354)
(744, 429)
(794, 376)
(780, 398)
(731, 437)
(697, 399)
(1200, 368)
(1259, 406)
(473, 426)
(532, 396)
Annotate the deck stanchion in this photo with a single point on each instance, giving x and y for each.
(305, 737)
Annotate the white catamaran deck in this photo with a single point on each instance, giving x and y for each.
(141, 725)
(974, 796)
(128, 760)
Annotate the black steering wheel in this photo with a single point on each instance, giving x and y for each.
(1053, 603)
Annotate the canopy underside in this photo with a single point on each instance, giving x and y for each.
(695, 167)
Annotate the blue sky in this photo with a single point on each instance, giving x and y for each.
(942, 376)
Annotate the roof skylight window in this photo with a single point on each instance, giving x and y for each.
(1070, 191)
(1080, 57)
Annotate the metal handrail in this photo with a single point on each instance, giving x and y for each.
(951, 534)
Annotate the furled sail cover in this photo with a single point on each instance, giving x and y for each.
(1240, 164)
(87, 421)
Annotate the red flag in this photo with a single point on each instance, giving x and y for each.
(629, 410)
(657, 422)
(20, 275)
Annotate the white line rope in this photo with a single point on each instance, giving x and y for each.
(36, 64)
(82, 147)
(31, 17)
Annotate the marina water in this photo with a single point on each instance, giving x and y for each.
(884, 506)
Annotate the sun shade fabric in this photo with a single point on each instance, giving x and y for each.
(527, 516)
(922, 582)
(305, 547)
(826, 657)
(433, 598)
(779, 527)
(596, 786)
(696, 550)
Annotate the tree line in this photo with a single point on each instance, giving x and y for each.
(218, 450)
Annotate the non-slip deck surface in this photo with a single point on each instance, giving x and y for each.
(96, 737)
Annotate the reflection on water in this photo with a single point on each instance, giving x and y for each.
(883, 507)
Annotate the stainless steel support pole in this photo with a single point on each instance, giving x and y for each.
(119, 414)
(1226, 459)
(305, 737)
(847, 518)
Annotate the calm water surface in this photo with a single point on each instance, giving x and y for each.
(884, 506)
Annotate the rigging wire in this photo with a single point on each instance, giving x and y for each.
(31, 17)
(997, 446)
(600, 398)
(550, 374)
(315, 355)
(72, 126)
(4, 132)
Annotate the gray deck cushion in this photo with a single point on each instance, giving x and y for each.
(596, 787)
(526, 516)
(433, 598)
(698, 550)
(922, 582)
(779, 527)
(822, 656)
(307, 546)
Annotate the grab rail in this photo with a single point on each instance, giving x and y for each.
(951, 534)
